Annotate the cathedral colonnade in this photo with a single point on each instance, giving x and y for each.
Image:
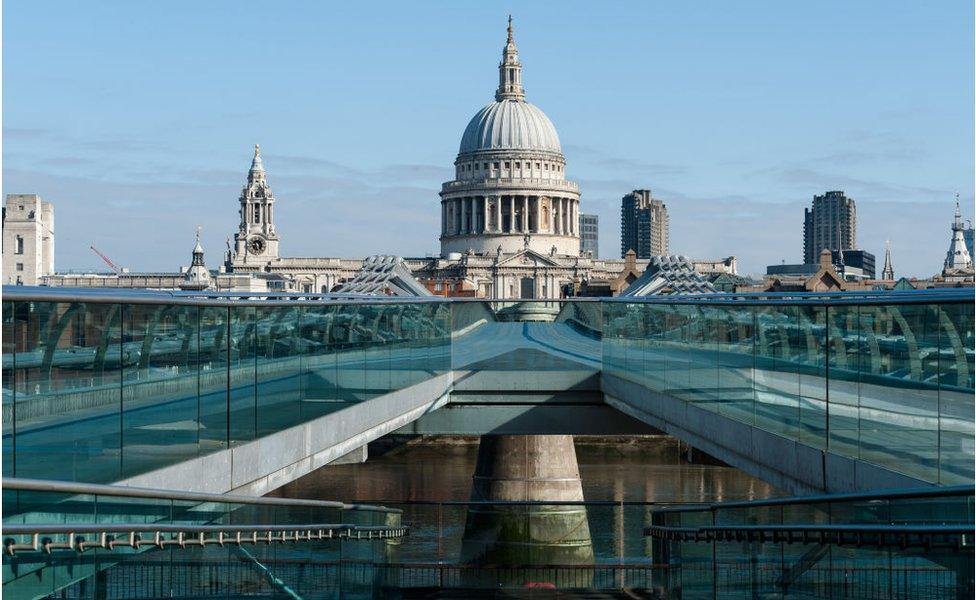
(508, 214)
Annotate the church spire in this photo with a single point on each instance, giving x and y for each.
(957, 222)
(257, 166)
(888, 273)
(957, 258)
(197, 251)
(510, 71)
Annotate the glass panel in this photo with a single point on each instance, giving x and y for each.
(68, 390)
(160, 392)
(853, 347)
(956, 393)
(319, 362)
(347, 338)
(214, 364)
(9, 368)
(899, 407)
(278, 369)
(243, 374)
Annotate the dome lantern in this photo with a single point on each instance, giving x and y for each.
(510, 71)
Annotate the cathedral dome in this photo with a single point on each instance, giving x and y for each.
(510, 124)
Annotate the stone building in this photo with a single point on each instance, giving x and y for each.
(831, 223)
(510, 190)
(28, 239)
(958, 265)
(644, 225)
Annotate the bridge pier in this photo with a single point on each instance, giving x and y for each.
(526, 468)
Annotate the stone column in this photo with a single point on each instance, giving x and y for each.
(511, 214)
(498, 209)
(527, 468)
(484, 211)
(538, 214)
(464, 215)
(525, 214)
(566, 216)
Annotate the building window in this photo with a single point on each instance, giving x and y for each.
(508, 165)
(20, 266)
(547, 166)
(257, 213)
(19, 245)
(538, 167)
(476, 166)
(518, 165)
(486, 166)
(496, 166)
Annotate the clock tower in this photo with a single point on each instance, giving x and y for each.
(256, 240)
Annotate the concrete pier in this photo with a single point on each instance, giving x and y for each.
(527, 468)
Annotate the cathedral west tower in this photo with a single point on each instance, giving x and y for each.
(256, 240)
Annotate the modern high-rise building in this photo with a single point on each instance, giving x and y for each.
(28, 239)
(643, 225)
(830, 224)
(854, 264)
(590, 235)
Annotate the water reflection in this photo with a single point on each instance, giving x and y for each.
(625, 468)
(431, 480)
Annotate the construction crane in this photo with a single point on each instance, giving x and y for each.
(107, 260)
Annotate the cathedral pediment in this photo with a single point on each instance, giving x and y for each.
(528, 258)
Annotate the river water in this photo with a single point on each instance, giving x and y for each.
(420, 475)
(633, 468)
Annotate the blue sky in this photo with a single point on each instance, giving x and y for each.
(137, 119)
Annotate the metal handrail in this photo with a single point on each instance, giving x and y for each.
(70, 487)
(876, 495)
(104, 535)
(858, 534)
(47, 294)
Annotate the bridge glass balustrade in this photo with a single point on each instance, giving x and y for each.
(99, 391)
(907, 566)
(98, 388)
(214, 570)
(886, 379)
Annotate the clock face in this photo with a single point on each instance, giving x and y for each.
(255, 245)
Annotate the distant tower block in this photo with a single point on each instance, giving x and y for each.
(533, 468)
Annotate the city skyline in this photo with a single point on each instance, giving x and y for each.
(362, 177)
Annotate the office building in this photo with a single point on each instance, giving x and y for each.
(643, 225)
(854, 264)
(590, 235)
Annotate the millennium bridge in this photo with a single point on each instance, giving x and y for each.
(142, 432)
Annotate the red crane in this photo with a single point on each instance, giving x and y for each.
(107, 260)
